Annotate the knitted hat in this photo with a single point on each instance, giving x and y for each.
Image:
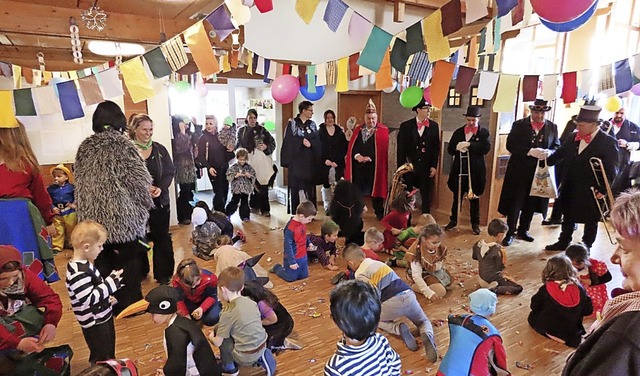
(483, 302)
(162, 300)
(62, 168)
(228, 121)
(199, 216)
(9, 253)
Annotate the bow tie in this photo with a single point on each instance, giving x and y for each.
(468, 129)
(424, 123)
(537, 126)
(586, 138)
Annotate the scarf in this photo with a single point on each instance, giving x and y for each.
(145, 146)
(629, 302)
(367, 133)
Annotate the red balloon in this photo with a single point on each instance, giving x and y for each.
(561, 11)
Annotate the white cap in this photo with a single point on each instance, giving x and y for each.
(199, 216)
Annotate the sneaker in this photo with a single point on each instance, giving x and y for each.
(338, 277)
(267, 362)
(450, 226)
(391, 261)
(551, 222)
(291, 344)
(230, 370)
(408, 338)
(429, 347)
(272, 269)
(242, 236)
(185, 222)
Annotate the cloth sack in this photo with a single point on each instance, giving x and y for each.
(263, 165)
(543, 184)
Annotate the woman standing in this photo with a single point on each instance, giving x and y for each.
(215, 157)
(161, 168)
(334, 149)
(260, 144)
(183, 144)
(113, 189)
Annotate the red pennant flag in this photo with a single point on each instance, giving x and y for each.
(286, 68)
(569, 87)
(354, 68)
(530, 88)
(302, 75)
(451, 17)
(464, 78)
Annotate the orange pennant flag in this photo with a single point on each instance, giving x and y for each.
(234, 59)
(442, 74)
(383, 77)
(197, 39)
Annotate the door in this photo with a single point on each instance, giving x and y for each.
(352, 105)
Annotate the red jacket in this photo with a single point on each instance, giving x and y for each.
(203, 295)
(380, 185)
(27, 184)
(394, 219)
(41, 296)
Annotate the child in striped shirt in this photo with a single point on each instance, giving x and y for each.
(90, 293)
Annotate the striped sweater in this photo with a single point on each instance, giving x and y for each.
(375, 357)
(89, 293)
(381, 276)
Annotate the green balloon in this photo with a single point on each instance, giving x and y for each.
(182, 86)
(411, 96)
(269, 125)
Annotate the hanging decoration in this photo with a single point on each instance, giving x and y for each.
(40, 56)
(94, 18)
(76, 45)
(411, 96)
(285, 88)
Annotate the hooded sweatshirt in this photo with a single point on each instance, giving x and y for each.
(491, 260)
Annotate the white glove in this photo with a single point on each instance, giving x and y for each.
(545, 153)
(633, 146)
(536, 153)
(463, 146)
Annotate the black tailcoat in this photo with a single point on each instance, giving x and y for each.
(478, 148)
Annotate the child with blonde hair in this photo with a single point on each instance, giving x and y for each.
(426, 259)
(406, 238)
(373, 242)
(198, 292)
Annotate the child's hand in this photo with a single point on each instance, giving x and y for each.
(435, 297)
(197, 314)
(117, 273)
(332, 259)
(331, 267)
(29, 345)
(55, 211)
(294, 266)
(395, 231)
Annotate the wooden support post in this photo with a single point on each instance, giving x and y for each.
(398, 11)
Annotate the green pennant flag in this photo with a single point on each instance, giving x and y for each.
(24, 103)
(157, 63)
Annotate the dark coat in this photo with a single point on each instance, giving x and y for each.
(178, 336)
(629, 132)
(422, 151)
(521, 167)
(211, 153)
(578, 204)
(478, 148)
(162, 171)
(568, 130)
(334, 148)
(249, 137)
(303, 162)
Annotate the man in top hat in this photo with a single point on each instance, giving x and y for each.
(578, 203)
(473, 141)
(628, 135)
(530, 141)
(367, 159)
(419, 144)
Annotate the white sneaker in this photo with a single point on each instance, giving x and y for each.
(291, 344)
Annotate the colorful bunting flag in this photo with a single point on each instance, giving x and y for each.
(7, 113)
(332, 73)
(136, 79)
(451, 17)
(90, 90)
(264, 6)
(258, 67)
(464, 79)
(419, 67)
(265, 71)
(157, 63)
(569, 87)
(530, 88)
(241, 14)
(47, 100)
(37, 77)
(70, 101)
(220, 20)
(233, 61)
(415, 40)
(549, 87)
(437, 44)
(507, 93)
(24, 102)
(110, 83)
(359, 27)
(255, 62)
(497, 34)
(383, 76)
(606, 78)
(311, 79)
(517, 15)
(174, 53)
(487, 84)
(354, 69)
(505, 6)
(376, 47)
(27, 73)
(623, 77)
(442, 73)
(334, 13)
(342, 83)
(5, 69)
(306, 9)
(475, 10)
(17, 76)
(586, 82)
(226, 65)
(321, 74)
(197, 39)
(399, 56)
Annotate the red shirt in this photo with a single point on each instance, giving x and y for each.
(203, 295)
(370, 254)
(26, 184)
(295, 241)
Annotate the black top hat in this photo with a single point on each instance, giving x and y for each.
(162, 300)
(539, 105)
(422, 103)
(589, 114)
(473, 111)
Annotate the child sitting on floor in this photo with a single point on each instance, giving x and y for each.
(592, 274)
(426, 258)
(373, 242)
(240, 335)
(475, 347)
(198, 290)
(323, 248)
(492, 257)
(397, 219)
(405, 240)
(226, 255)
(276, 320)
(64, 206)
(222, 221)
(204, 235)
(355, 309)
(346, 210)
(294, 266)
(559, 306)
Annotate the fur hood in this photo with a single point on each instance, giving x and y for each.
(112, 186)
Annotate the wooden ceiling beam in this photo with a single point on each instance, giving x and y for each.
(55, 59)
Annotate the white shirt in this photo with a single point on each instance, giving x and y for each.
(420, 129)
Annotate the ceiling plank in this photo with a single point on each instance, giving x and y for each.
(55, 59)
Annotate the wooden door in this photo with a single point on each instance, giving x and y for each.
(354, 103)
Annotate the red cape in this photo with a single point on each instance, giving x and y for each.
(380, 181)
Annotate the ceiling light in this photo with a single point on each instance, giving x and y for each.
(107, 48)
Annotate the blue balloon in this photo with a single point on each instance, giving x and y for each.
(304, 90)
(563, 27)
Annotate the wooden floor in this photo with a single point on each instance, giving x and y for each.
(138, 338)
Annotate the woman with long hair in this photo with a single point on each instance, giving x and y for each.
(214, 157)
(183, 145)
(334, 149)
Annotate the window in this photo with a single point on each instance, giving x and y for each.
(473, 99)
(454, 99)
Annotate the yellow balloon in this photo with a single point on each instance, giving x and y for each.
(613, 104)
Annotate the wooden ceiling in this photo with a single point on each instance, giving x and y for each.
(31, 26)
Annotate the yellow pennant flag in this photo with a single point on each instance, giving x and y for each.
(306, 9)
(342, 84)
(226, 65)
(17, 76)
(47, 76)
(437, 44)
(250, 63)
(7, 112)
(507, 93)
(198, 41)
(136, 79)
(383, 77)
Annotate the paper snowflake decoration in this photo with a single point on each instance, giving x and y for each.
(94, 18)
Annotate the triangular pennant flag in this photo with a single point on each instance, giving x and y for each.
(359, 27)
(530, 88)
(415, 41)
(220, 20)
(374, 50)
(451, 17)
(442, 73)
(306, 9)
(90, 90)
(24, 103)
(7, 113)
(342, 83)
(437, 44)
(549, 87)
(623, 77)
(69, 100)
(507, 93)
(505, 6)
(110, 83)
(198, 41)
(17, 76)
(464, 79)
(399, 55)
(321, 74)
(157, 63)
(136, 79)
(419, 67)
(475, 10)
(487, 85)
(334, 13)
(569, 87)
(47, 100)
(174, 53)
(383, 77)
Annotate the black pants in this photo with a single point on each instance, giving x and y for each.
(474, 208)
(163, 261)
(588, 236)
(556, 211)
(378, 206)
(183, 207)
(241, 198)
(294, 194)
(525, 220)
(101, 340)
(425, 184)
(125, 256)
(260, 198)
(220, 186)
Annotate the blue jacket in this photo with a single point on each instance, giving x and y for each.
(62, 196)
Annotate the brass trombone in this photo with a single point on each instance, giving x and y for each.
(605, 203)
(396, 186)
(469, 195)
